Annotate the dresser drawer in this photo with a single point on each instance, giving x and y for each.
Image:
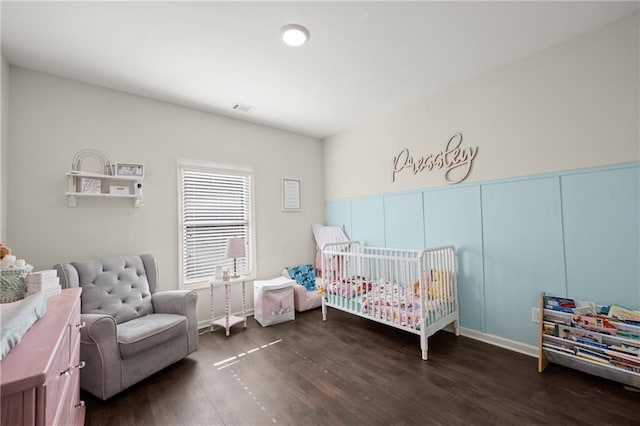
(63, 387)
(77, 409)
(18, 408)
(57, 378)
(70, 406)
(74, 330)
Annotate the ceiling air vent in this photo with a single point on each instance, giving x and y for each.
(243, 108)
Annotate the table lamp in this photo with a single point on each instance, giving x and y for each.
(235, 249)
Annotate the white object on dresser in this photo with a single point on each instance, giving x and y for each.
(46, 281)
(228, 320)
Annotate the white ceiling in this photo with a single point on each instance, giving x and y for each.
(364, 59)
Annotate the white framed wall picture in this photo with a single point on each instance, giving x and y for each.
(291, 195)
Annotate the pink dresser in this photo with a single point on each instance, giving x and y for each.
(40, 377)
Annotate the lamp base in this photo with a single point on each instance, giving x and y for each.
(235, 270)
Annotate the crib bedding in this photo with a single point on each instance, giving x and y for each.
(348, 287)
(392, 302)
(386, 300)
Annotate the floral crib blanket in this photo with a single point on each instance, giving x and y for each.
(347, 287)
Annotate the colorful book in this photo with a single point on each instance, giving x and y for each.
(594, 323)
(558, 348)
(629, 334)
(549, 329)
(571, 333)
(623, 314)
(591, 343)
(562, 304)
(625, 366)
(628, 359)
(627, 349)
(592, 355)
(585, 308)
(558, 341)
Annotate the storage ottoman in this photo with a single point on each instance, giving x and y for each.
(273, 301)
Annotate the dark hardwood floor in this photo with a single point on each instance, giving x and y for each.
(352, 371)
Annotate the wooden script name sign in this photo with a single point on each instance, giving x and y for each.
(455, 160)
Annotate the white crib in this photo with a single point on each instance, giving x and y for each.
(413, 290)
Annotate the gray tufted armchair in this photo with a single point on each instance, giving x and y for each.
(131, 331)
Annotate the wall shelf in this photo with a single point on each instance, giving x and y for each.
(85, 184)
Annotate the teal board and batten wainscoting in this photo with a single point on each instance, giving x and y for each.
(574, 233)
(404, 221)
(602, 235)
(339, 213)
(522, 236)
(367, 221)
(453, 216)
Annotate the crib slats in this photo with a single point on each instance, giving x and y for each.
(380, 284)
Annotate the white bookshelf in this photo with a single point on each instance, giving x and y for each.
(559, 350)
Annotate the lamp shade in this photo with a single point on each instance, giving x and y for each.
(235, 247)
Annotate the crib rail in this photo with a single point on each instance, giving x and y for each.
(414, 290)
(441, 284)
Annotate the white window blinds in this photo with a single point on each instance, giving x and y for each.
(216, 205)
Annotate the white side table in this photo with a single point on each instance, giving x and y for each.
(228, 319)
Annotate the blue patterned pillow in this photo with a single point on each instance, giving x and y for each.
(304, 275)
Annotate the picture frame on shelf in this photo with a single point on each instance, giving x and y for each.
(129, 170)
(88, 185)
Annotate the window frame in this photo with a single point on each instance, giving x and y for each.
(184, 164)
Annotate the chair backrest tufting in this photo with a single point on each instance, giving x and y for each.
(116, 286)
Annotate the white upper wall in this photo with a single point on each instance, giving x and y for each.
(4, 143)
(571, 106)
(53, 118)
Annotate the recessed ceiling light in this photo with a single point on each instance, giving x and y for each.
(294, 35)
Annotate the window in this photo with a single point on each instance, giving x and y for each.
(215, 204)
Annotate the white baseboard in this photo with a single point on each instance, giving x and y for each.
(519, 347)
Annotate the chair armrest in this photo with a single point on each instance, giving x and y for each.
(100, 350)
(99, 329)
(180, 302)
(177, 302)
